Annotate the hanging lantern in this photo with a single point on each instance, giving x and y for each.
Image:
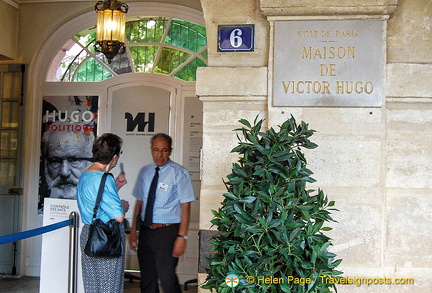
(110, 28)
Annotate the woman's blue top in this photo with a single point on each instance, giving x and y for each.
(110, 206)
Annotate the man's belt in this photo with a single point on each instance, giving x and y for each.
(158, 225)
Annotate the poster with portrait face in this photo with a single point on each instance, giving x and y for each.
(69, 127)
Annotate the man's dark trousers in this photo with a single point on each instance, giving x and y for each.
(155, 248)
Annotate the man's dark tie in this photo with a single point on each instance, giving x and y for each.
(148, 218)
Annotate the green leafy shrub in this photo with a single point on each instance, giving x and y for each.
(270, 225)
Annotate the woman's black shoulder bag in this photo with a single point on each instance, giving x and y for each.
(104, 240)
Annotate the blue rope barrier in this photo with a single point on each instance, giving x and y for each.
(34, 232)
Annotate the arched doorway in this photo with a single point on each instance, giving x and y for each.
(158, 70)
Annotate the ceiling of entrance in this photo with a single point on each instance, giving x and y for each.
(42, 1)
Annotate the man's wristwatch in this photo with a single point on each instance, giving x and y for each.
(182, 236)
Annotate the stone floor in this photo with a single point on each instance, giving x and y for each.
(31, 285)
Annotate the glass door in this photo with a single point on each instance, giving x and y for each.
(11, 104)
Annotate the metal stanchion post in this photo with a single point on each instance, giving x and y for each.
(73, 253)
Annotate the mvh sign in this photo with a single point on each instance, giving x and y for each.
(139, 120)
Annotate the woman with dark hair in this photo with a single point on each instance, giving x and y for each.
(102, 274)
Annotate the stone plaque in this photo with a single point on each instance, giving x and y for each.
(328, 63)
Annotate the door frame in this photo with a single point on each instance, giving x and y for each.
(179, 91)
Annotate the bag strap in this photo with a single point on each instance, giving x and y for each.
(100, 192)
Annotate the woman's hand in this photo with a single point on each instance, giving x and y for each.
(125, 205)
(120, 180)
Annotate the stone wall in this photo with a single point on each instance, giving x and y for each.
(374, 162)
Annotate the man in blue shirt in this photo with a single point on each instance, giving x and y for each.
(163, 193)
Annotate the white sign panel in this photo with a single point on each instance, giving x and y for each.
(193, 141)
(328, 63)
(138, 112)
(55, 248)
